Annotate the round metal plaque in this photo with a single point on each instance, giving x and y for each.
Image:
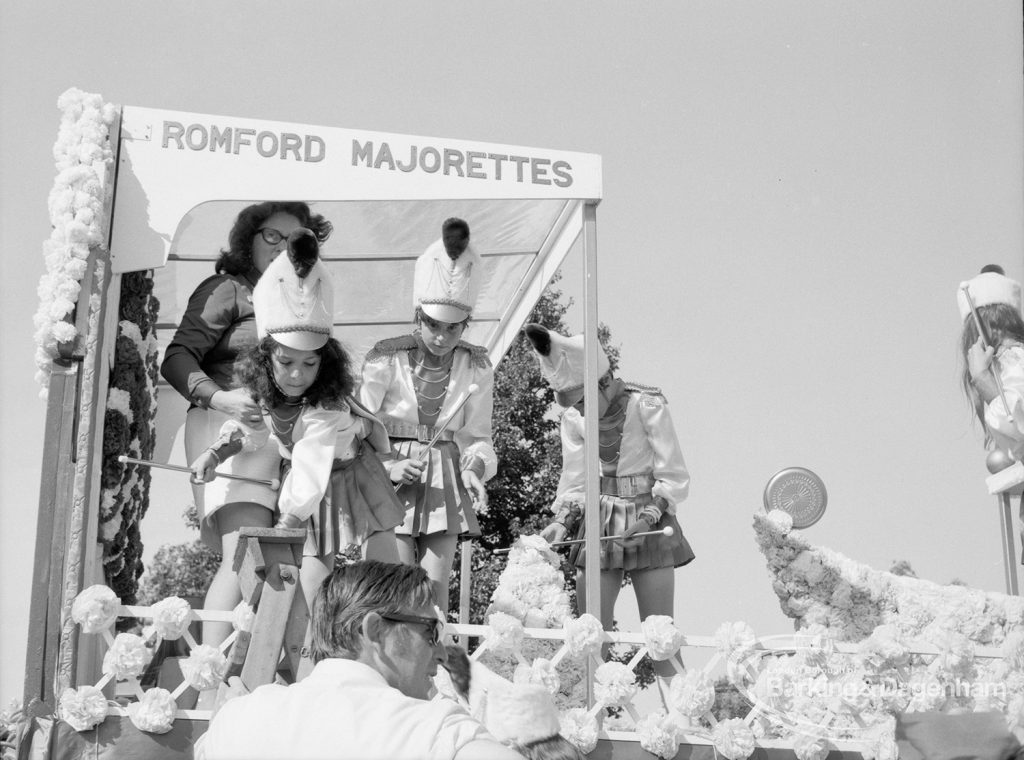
(799, 492)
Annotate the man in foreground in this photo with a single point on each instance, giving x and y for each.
(376, 645)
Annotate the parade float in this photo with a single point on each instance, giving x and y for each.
(140, 204)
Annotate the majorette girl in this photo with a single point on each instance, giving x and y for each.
(643, 478)
(417, 383)
(334, 481)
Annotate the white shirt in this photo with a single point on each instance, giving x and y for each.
(1007, 430)
(649, 445)
(343, 710)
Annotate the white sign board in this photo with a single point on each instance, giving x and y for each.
(171, 161)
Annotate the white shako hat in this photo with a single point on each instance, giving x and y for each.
(524, 713)
(563, 362)
(448, 275)
(989, 287)
(294, 298)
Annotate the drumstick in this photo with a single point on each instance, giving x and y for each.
(984, 336)
(666, 531)
(272, 484)
(473, 388)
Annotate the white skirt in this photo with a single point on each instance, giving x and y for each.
(202, 428)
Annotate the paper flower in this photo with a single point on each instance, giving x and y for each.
(658, 734)
(127, 657)
(504, 632)
(661, 636)
(242, 617)
(154, 712)
(541, 672)
(171, 617)
(580, 728)
(781, 522)
(531, 587)
(95, 609)
(83, 708)
(735, 637)
(531, 549)
(884, 649)
(204, 668)
(733, 738)
(819, 643)
(956, 655)
(614, 684)
(583, 635)
(691, 694)
(808, 747)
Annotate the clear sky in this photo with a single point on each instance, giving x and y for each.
(792, 192)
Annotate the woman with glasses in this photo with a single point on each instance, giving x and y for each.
(218, 325)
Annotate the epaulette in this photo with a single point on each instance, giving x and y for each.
(390, 346)
(477, 355)
(647, 390)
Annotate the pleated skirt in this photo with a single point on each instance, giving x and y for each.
(202, 428)
(361, 501)
(617, 515)
(438, 502)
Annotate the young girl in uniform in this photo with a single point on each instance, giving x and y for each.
(415, 384)
(643, 479)
(333, 480)
(997, 299)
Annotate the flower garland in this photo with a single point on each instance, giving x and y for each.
(82, 154)
(95, 610)
(129, 428)
(817, 586)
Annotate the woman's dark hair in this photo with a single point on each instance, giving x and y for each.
(1002, 323)
(334, 381)
(237, 257)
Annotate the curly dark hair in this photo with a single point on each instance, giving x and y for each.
(237, 257)
(334, 381)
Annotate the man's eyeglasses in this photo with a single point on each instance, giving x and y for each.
(271, 236)
(435, 626)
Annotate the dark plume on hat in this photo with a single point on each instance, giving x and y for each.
(455, 236)
(303, 251)
(539, 337)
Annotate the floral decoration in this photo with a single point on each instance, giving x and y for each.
(154, 712)
(83, 708)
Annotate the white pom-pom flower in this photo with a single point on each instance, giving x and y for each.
(83, 708)
(661, 636)
(884, 649)
(658, 734)
(242, 617)
(154, 712)
(127, 657)
(583, 635)
(735, 637)
(691, 694)
(171, 617)
(614, 684)
(808, 747)
(781, 522)
(95, 608)
(204, 667)
(580, 728)
(504, 632)
(542, 672)
(733, 738)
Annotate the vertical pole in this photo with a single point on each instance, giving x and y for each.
(1009, 553)
(592, 513)
(465, 581)
(47, 575)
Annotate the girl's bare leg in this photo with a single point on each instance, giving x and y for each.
(437, 553)
(382, 547)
